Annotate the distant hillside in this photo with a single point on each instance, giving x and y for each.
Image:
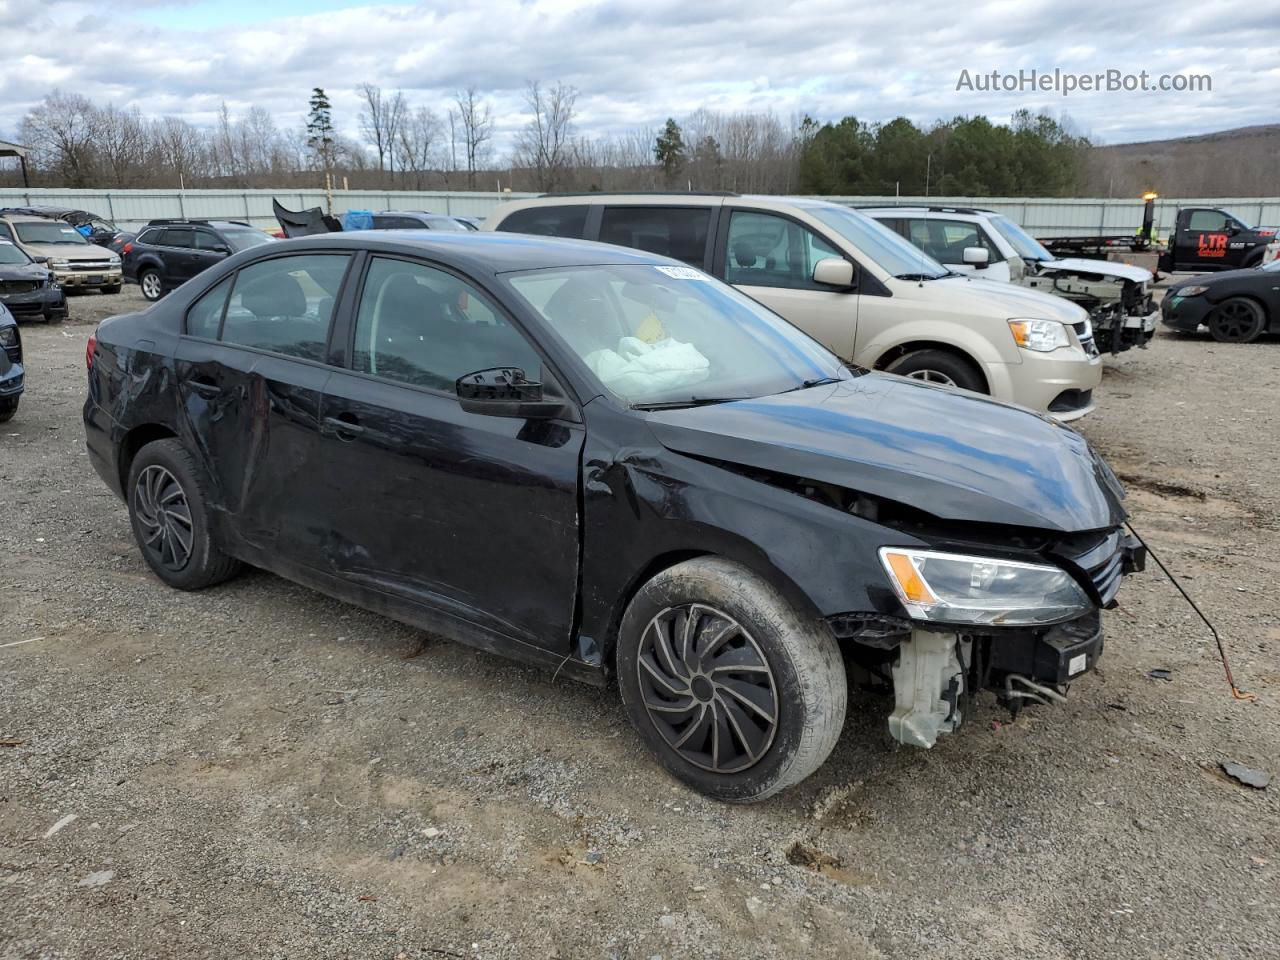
(1244, 162)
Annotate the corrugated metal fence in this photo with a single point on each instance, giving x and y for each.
(1043, 217)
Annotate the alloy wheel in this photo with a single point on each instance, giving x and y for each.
(151, 285)
(164, 516)
(707, 688)
(932, 376)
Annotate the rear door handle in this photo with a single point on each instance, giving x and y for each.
(343, 428)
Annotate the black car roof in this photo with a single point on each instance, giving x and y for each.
(479, 251)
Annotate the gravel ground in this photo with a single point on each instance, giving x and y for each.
(258, 771)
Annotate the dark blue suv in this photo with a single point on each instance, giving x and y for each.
(167, 253)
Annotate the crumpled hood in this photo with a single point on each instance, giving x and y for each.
(23, 271)
(1101, 268)
(980, 296)
(953, 454)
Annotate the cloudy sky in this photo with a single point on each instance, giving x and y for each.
(637, 62)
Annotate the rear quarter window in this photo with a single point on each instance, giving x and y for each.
(565, 221)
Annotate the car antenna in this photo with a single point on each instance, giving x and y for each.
(1236, 692)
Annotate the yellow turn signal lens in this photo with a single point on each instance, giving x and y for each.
(912, 585)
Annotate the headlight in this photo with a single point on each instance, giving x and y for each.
(60, 264)
(8, 337)
(114, 260)
(1188, 291)
(1039, 335)
(951, 588)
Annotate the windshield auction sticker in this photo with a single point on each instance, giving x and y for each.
(683, 273)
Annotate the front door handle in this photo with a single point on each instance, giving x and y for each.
(345, 427)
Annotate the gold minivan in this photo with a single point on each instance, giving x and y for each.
(859, 288)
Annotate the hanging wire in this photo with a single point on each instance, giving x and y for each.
(1236, 692)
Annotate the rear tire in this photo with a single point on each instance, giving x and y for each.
(735, 692)
(170, 518)
(940, 367)
(1236, 320)
(151, 283)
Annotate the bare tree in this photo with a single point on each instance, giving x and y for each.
(121, 145)
(61, 130)
(543, 145)
(418, 143)
(476, 119)
(380, 120)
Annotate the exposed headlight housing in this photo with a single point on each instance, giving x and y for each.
(1188, 291)
(954, 588)
(1041, 336)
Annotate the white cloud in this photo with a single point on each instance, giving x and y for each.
(638, 62)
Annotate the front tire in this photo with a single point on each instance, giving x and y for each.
(170, 518)
(8, 409)
(1236, 320)
(940, 367)
(735, 692)
(152, 285)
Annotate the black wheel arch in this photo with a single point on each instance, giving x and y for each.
(133, 441)
(914, 346)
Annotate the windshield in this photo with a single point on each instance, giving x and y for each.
(445, 223)
(11, 254)
(52, 231)
(880, 244)
(668, 335)
(244, 239)
(1024, 244)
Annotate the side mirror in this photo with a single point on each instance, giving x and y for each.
(223, 249)
(1233, 229)
(504, 392)
(976, 257)
(833, 272)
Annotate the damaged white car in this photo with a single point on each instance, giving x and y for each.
(989, 244)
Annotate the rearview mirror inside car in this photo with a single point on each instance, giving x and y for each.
(833, 272)
(976, 257)
(505, 392)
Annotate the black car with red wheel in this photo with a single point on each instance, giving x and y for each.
(1237, 306)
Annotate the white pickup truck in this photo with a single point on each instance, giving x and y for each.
(989, 244)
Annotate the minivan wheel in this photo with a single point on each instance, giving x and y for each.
(734, 691)
(1236, 320)
(939, 366)
(152, 287)
(170, 519)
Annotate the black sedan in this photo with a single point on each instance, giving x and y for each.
(1237, 306)
(28, 288)
(609, 463)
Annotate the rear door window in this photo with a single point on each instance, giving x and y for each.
(285, 304)
(205, 315)
(678, 232)
(564, 221)
(177, 237)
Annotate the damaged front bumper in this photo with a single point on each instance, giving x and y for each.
(936, 671)
(1116, 331)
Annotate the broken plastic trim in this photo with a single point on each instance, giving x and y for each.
(1236, 692)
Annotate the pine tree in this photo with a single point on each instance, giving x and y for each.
(669, 150)
(320, 128)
